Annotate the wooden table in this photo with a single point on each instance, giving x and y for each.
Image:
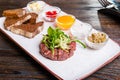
(15, 64)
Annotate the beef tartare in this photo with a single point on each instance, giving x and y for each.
(57, 46)
(59, 54)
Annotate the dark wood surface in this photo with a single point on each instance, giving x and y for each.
(15, 64)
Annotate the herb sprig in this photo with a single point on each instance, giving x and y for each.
(56, 38)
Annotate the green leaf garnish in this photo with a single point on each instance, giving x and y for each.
(84, 46)
(58, 39)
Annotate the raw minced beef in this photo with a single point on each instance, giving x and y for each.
(59, 54)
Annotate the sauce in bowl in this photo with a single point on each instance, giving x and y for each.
(65, 22)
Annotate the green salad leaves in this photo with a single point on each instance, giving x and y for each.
(56, 38)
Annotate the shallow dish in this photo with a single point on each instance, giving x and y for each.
(65, 22)
(98, 42)
(70, 69)
(83, 63)
(51, 13)
(36, 6)
(81, 30)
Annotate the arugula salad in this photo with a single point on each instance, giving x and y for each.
(56, 38)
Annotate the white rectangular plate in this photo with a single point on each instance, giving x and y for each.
(83, 63)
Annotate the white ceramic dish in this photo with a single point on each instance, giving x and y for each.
(81, 31)
(96, 45)
(51, 18)
(36, 6)
(83, 63)
(67, 24)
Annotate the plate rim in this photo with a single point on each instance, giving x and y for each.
(50, 71)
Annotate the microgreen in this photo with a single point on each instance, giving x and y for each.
(56, 38)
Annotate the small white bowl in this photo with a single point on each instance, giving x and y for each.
(65, 22)
(81, 30)
(36, 6)
(49, 17)
(96, 45)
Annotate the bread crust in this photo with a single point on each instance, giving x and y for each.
(14, 13)
(10, 22)
(28, 30)
(33, 18)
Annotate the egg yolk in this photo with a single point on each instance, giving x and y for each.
(65, 22)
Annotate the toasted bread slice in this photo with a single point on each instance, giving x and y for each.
(10, 22)
(33, 18)
(14, 13)
(28, 30)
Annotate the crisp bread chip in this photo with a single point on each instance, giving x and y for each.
(14, 13)
(28, 30)
(10, 22)
(33, 18)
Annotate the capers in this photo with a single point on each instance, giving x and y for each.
(97, 37)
